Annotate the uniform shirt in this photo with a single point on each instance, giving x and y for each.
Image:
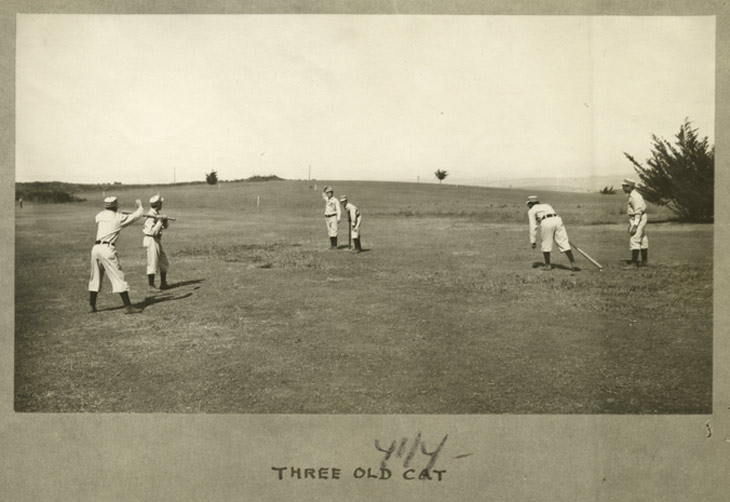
(353, 214)
(110, 223)
(536, 213)
(332, 207)
(153, 227)
(637, 206)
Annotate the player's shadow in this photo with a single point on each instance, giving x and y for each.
(151, 300)
(109, 309)
(182, 283)
(562, 267)
(558, 266)
(363, 250)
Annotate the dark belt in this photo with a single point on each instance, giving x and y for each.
(548, 216)
(105, 242)
(330, 215)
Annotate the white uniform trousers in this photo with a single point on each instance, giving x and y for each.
(331, 225)
(104, 259)
(552, 229)
(639, 240)
(156, 257)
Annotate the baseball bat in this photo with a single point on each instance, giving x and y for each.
(150, 216)
(587, 256)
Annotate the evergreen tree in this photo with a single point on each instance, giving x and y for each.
(680, 176)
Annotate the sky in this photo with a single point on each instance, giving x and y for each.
(168, 98)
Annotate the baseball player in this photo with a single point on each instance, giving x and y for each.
(152, 240)
(332, 215)
(354, 220)
(638, 242)
(551, 229)
(104, 258)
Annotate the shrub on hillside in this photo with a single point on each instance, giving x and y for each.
(211, 178)
(607, 190)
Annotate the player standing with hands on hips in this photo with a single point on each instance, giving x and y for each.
(152, 230)
(332, 215)
(354, 220)
(551, 229)
(104, 257)
(638, 242)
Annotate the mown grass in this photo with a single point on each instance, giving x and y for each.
(443, 313)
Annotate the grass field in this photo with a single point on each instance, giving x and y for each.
(444, 313)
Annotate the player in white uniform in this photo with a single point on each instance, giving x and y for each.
(152, 240)
(104, 253)
(638, 241)
(551, 227)
(354, 219)
(332, 215)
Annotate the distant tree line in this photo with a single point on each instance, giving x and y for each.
(607, 190)
(48, 192)
(212, 178)
(60, 192)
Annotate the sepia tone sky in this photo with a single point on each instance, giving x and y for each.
(163, 98)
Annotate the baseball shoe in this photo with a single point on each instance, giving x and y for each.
(130, 309)
(151, 289)
(547, 267)
(92, 310)
(631, 266)
(575, 268)
(164, 285)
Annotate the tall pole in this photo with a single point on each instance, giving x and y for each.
(174, 175)
(309, 176)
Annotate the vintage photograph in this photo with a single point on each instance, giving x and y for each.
(364, 215)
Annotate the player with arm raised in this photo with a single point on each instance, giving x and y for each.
(332, 214)
(109, 223)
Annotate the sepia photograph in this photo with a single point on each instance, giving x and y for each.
(364, 214)
(317, 250)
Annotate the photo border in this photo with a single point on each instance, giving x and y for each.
(495, 457)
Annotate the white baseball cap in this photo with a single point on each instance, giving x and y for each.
(111, 202)
(628, 182)
(155, 199)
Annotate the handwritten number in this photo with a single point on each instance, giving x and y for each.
(410, 453)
